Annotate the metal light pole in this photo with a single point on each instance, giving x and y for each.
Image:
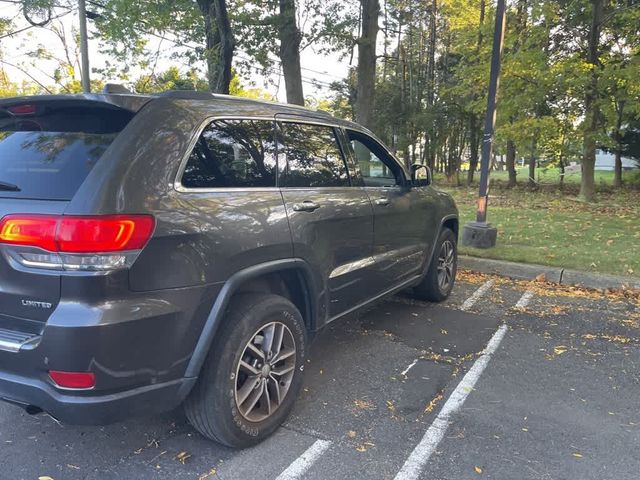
(480, 233)
(84, 47)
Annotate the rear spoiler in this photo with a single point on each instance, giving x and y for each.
(130, 102)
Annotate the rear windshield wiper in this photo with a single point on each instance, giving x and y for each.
(9, 187)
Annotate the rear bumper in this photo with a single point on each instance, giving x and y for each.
(138, 347)
(87, 409)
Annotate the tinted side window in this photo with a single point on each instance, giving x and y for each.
(233, 153)
(313, 157)
(377, 167)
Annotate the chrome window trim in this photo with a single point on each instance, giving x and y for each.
(381, 144)
(336, 134)
(177, 183)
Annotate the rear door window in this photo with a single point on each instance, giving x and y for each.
(47, 151)
(233, 154)
(313, 157)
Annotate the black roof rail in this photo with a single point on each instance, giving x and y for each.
(201, 95)
(115, 88)
(188, 95)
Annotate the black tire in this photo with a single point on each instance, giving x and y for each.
(431, 288)
(212, 407)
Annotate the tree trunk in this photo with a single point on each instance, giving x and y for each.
(617, 169)
(290, 38)
(474, 147)
(366, 69)
(431, 61)
(511, 164)
(617, 136)
(220, 44)
(592, 111)
(532, 165)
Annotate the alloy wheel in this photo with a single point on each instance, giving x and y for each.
(265, 371)
(446, 264)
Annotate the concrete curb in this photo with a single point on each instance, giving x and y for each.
(522, 271)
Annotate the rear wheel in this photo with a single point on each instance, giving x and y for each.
(253, 374)
(440, 278)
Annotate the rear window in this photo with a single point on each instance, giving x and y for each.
(47, 151)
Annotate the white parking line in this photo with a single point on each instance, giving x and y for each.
(301, 464)
(423, 451)
(484, 288)
(524, 299)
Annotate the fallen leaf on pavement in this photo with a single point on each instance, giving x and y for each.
(363, 404)
(434, 401)
(182, 457)
(209, 474)
(364, 447)
(478, 470)
(560, 349)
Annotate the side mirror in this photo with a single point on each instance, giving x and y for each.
(420, 178)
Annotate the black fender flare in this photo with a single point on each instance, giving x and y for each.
(435, 240)
(215, 317)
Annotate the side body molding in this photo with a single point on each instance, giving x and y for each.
(215, 317)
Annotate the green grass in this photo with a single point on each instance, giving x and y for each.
(551, 177)
(550, 227)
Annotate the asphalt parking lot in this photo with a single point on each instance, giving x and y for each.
(405, 391)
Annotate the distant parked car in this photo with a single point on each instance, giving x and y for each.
(180, 248)
(606, 161)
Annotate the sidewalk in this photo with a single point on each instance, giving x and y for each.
(522, 271)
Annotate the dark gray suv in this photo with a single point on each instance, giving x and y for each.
(182, 248)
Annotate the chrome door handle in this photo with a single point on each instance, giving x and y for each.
(383, 202)
(306, 206)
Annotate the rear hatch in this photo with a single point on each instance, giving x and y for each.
(48, 146)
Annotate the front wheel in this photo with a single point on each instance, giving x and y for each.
(253, 373)
(438, 282)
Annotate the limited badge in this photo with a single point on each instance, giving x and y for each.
(36, 304)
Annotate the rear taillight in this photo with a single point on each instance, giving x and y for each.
(61, 242)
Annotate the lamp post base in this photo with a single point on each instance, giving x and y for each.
(479, 235)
